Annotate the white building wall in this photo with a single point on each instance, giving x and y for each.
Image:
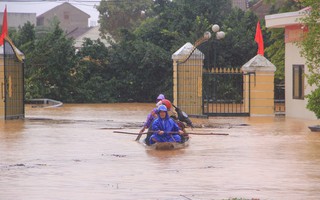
(19, 19)
(295, 107)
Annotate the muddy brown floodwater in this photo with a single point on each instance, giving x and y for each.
(71, 152)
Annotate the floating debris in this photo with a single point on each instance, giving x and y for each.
(118, 155)
(115, 155)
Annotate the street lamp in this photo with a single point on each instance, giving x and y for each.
(219, 35)
(206, 36)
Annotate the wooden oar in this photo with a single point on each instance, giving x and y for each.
(128, 133)
(139, 136)
(107, 128)
(131, 133)
(208, 133)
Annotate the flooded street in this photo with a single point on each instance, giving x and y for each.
(71, 152)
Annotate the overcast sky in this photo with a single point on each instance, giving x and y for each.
(41, 6)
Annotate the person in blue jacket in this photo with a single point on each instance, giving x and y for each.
(165, 129)
(150, 118)
(152, 115)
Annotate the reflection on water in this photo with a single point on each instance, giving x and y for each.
(165, 155)
(72, 153)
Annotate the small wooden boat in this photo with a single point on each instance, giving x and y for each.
(168, 145)
(315, 128)
(44, 103)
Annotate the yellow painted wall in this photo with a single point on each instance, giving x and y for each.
(11, 83)
(175, 83)
(188, 77)
(262, 94)
(14, 98)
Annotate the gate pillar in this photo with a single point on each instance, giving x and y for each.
(187, 79)
(11, 81)
(260, 88)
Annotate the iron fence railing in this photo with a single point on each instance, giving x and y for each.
(279, 99)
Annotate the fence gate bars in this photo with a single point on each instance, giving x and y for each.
(201, 88)
(226, 92)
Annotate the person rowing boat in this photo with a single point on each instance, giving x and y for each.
(150, 118)
(163, 127)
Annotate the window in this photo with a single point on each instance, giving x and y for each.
(66, 15)
(298, 82)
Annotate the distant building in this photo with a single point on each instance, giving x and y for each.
(261, 9)
(71, 18)
(93, 33)
(73, 21)
(242, 4)
(16, 20)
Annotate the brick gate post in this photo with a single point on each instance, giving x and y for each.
(261, 86)
(187, 79)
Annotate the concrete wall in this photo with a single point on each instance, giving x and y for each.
(295, 107)
(261, 85)
(187, 79)
(262, 94)
(11, 82)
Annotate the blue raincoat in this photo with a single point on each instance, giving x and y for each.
(167, 125)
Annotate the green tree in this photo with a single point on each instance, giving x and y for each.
(140, 70)
(276, 53)
(92, 73)
(145, 50)
(186, 21)
(238, 47)
(275, 49)
(49, 66)
(23, 37)
(138, 66)
(311, 51)
(117, 15)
